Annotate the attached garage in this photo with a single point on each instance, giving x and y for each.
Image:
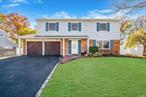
(43, 48)
(34, 48)
(52, 48)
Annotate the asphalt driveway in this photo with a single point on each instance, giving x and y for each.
(23, 76)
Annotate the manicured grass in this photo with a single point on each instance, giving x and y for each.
(99, 77)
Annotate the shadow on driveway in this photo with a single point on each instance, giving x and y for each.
(23, 76)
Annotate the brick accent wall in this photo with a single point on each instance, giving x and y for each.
(116, 48)
(83, 44)
(90, 43)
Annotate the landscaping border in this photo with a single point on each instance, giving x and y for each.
(47, 80)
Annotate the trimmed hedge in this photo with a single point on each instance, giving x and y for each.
(93, 49)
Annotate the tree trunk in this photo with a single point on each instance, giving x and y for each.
(144, 45)
(144, 48)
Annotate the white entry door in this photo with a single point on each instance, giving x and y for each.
(74, 47)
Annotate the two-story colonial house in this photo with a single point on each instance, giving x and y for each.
(71, 36)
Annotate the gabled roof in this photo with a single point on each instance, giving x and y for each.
(77, 19)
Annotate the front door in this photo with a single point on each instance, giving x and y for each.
(74, 49)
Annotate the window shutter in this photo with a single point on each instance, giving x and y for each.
(69, 47)
(47, 25)
(108, 26)
(57, 26)
(69, 26)
(94, 43)
(97, 27)
(79, 26)
(79, 46)
(111, 44)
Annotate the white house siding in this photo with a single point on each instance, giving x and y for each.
(5, 42)
(87, 28)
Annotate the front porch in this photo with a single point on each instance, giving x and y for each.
(68, 45)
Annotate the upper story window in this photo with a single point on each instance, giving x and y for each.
(103, 26)
(52, 26)
(74, 26)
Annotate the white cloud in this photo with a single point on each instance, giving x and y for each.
(11, 5)
(19, 1)
(38, 1)
(59, 15)
(106, 14)
(120, 13)
(15, 3)
(94, 14)
(105, 11)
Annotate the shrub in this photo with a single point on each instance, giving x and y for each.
(97, 54)
(93, 49)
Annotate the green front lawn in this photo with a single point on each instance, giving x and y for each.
(99, 77)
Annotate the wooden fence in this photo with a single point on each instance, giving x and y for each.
(7, 52)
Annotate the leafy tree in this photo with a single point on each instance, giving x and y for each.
(139, 35)
(135, 29)
(12, 23)
(26, 31)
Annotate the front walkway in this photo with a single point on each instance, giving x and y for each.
(68, 58)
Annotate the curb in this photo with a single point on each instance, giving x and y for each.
(46, 81)
(8, 57)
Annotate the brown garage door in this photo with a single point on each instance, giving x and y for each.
(34, 48)
(52, 48)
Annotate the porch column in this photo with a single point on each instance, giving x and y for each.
(19, 46)
(63, 46)
(87, 45)
(43, 47)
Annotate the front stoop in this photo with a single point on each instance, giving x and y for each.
(68, 58)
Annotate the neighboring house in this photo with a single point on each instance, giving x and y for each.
(71, 36)
(5, 43)
(136, 51)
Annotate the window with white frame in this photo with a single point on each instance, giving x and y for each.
(75, 26)
(103, 44)
(52, 26)
(103, 26)
(99, 44)
(106, 44)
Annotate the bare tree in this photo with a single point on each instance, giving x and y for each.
(130, 4)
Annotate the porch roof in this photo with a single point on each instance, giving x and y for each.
(52, 36)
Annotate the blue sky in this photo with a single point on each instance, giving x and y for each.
(61, 9)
